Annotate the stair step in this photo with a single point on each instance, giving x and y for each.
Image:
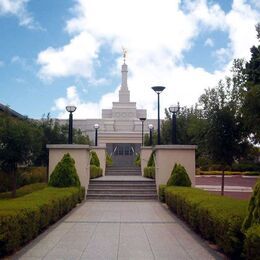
(121, 191)
(123, 196)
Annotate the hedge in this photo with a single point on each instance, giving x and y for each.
(252, 243)
(200, 172)
(95, 171)
(216, 218)
(162, 192)
(22, 219)
(149, 172)
(24, 190)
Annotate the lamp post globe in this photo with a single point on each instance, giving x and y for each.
(142, 120)
(174, 109)
(96, 126)
(70, 109)
(158, 90)
(150, 126)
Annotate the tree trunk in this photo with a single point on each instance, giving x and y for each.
(13, 173)
(222, 182)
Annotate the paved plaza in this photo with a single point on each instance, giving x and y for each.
(118, 230)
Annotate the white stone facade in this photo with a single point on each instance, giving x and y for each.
(121, 123)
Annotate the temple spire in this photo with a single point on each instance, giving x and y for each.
(124, 94)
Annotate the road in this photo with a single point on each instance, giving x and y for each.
(235, 186)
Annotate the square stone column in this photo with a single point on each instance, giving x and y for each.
(79, 152)
(167, 155)
(145, 155)
(101, 153)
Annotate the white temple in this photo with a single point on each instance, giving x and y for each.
(120, 124)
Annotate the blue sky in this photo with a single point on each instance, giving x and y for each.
(54, 53)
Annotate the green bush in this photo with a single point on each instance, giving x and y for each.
(94, 159)
(202, 172)
(162, 192)
(253, 216)
(65, 174)
(22, 219)
(109, 161)
(179, 177)
(95, 171)
(151, 162)
(246, 167)
(252, 243)
(149, 172)
(138, 160)
(24, 190)
(215, 217)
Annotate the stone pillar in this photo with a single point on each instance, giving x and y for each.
(79, 152)
(167, 155)
(101, 153)
(145, 155)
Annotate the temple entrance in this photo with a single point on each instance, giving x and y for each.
(123, 154)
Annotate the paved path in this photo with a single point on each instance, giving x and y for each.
(118, 230)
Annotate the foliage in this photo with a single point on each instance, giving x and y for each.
(149, 172)
(94, 159)
(151, 162)
(26, 189)
(65, 174)
(252, 243)
(162, 192)
(19, 144)
(22, 219)
(200, 172)
(138, 160)
(95, 171)
(179, 177)
(31, 175)
(109, 161)
(253, 216)
(216, 218)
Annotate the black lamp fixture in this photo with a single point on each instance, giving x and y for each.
(158, 90)
(70, 109)
(96, 126)
(150, 126)
(142, 120)
(174, 109)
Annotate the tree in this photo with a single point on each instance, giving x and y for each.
(19, 144)
(251, 102)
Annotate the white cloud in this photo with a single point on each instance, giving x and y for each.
(18, 8)
(75, 58)
(84, 110)
(209, 42)
(157, 36)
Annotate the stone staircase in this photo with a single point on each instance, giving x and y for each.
(123, 171)
(122, 184)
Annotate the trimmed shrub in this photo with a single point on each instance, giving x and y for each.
(22, 219)
(138, 160)
(94, 159)
(215, 217)
(95, 171)
(109, 161)
(201, 172)
(149, 172)
(151, 162)
(24, 190)
(162, 192)
(179, 177)
(252, 243)
(65, 174)
(253, 216)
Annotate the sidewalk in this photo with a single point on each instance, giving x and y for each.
(118, 230)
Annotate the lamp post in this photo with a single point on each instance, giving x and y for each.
(150, 126)
(158, 90)
(142, 120)
(96, 126)
(70, 109)
(174, 109)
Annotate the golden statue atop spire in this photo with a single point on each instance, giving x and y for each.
(124, 53)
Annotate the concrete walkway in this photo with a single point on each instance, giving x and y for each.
(118, 230)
